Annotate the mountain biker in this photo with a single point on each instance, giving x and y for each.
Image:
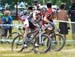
(24, 19)
(27, 21)
(48, 17)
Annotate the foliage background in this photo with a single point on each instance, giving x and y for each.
(30, 2)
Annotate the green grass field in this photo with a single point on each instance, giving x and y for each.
(67, 51)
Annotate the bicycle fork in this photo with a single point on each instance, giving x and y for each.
(40, 38)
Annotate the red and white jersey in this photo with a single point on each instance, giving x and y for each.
(25, 21)
(35, 14)
(23, 18)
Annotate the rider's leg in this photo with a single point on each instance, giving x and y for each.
(25, 36)
(26, 24)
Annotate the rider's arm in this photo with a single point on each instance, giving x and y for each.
(45, 19)
(34, 15)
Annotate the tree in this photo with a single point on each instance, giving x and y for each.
(30, 2)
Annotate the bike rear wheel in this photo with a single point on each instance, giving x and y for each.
(58, 42)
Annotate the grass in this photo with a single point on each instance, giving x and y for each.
(67, 51)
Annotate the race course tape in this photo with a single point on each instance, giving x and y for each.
(55, 21)
(64, 21)
(10, 40)
(11, 25)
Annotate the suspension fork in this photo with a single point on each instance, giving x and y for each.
(40, 37)
(53, 36)
(38, 34)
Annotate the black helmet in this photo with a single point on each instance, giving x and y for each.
(49, 4)
(30, 8)
(35, 1)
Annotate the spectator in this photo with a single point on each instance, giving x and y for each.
(63, 16)
(7, 19)
(1, 17)
(72, 16)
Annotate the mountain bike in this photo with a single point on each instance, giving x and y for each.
(44, 42)
(58, 41)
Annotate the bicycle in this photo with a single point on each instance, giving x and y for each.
(58, 41)
(17, 43)
(19, 30)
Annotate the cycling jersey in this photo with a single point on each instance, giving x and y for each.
(49, 14)
(47, 18)
(35, 14)
(25, 21)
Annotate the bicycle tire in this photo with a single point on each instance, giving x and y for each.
(48, 44)
(18, 41)
(12, 35)
(58, 42)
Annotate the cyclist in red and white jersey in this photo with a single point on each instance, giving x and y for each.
(47, 17)
(27, 21)
(49, 14)
(24, 19)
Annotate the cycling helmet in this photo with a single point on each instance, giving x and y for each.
(49, 4)
(30, 8)
(35, 1)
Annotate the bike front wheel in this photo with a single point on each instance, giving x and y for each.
(13, 35)
(43, 46)
(17, 43)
